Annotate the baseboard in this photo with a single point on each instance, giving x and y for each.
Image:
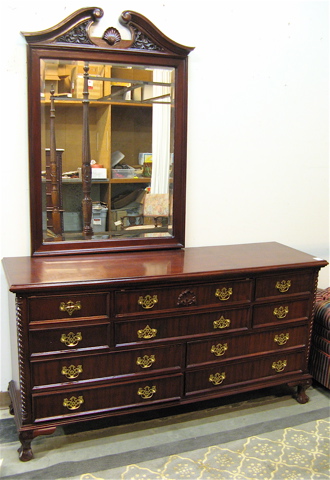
(4, 399)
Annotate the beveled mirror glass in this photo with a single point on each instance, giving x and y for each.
(107, 132)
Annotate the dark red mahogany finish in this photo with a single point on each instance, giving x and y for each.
(70, 41)
(104, 335)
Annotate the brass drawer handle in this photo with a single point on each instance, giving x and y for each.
(70, 307)
(146, 361)
(147, 333)
(72, 371)
(73, 403)
(282, 338)
(222, 322)
(71, 339)
(283, 286)
(224, 293)
(220, 349)
(146, 392)
(148, 301)
(279, 366)
(217, 378)
(281, 312)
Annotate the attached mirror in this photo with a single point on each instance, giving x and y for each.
(107, 137)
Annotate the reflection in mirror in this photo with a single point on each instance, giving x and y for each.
(131, 111)
(107, 136)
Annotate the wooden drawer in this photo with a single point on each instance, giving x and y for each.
(280, 312)
(68, 306)
(114, 364)
(79, 402)
(169, 298)
(284, 284)
(147, 330)
(67, 338)
(224, 375)
(224, 348)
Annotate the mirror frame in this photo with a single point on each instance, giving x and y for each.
(70, 40)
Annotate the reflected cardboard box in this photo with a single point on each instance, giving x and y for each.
(99, 173)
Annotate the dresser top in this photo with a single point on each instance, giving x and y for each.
(25, 274)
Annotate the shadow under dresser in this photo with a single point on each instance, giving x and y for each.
(107, 334)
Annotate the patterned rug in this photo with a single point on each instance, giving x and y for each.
(293, 453)
(262, 435)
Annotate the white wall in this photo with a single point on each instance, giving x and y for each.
(258, 158)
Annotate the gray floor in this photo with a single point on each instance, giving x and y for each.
(74, 451)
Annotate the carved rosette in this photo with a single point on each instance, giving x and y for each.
(186, 299)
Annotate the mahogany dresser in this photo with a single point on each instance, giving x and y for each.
(107, 334)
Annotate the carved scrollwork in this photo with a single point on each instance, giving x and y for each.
(143, 42)
(77, 35)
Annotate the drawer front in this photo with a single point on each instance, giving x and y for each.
(221, 376)
(70, 338)
(148, 330)
(284, 284)
(280, 312)
(115, 364)
(169, 298)
(224, 348)
(75, 403)
(68, 306)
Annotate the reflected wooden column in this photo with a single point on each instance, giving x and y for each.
(55, 177)
(86, 161)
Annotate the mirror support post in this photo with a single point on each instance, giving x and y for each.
(86, 161)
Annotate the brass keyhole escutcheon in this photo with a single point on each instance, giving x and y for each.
(72, 371)
(279, 366)
(221, 323)
(223, 293)
(281, 312)
(70, 307)
(282, 338)
(71, 339)
(146, 361)
(283, 286)
(148, 301)
(146, 392)
(147, 333)
(220, 349)
(217, 378)
(73, 403)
